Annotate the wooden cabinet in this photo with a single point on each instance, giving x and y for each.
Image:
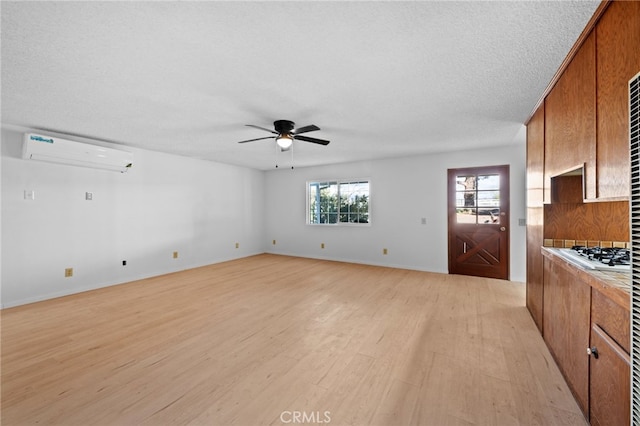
(566, 325)
(583, 316)
(609, 366)
(618, 60)
(610, 374)
(583, 122)
(587, 110)
(570, 120)
(535, 232)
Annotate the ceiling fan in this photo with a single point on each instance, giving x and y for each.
(285, 133)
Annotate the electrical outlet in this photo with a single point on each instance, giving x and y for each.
(124, 263)
(237, 245)
(68, 272)
(29, 195)
(384, 251)
(175, 254)
(273, 242)
(423, 220)
(321, 245)
(88, 196)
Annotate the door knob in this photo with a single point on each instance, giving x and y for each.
(502, 228)
(593, 351)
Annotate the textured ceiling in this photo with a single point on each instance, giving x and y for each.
(381, 79)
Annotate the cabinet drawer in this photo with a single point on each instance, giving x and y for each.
(612, 318)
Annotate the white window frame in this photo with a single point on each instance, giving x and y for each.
(338, 182)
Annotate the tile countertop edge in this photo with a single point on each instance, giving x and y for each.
(615, 285)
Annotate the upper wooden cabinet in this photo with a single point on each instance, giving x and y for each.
(618, 60)
(535, 158)
(535, 211)
(570, 120)
(587, 110)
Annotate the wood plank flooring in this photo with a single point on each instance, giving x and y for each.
(281, 340)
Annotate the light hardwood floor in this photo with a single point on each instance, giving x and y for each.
(253, 341)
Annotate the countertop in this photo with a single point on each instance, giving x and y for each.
(615, 285)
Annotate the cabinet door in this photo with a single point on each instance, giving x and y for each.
(609, 382)
(535, 183)
(618, 60)
(570, 120)
(566, 323)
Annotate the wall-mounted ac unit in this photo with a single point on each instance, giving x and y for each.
(58, 150)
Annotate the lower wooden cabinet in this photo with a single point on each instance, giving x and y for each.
(609, 364)
(567, 311)
(588, 335)
(566, 323)
(609, 381)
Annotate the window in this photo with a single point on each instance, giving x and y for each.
(478, 198)
(338, 202)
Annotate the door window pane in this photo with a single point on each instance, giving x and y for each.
(488, 215)
(486, 182)
(478, 199)
(488, 198)
(466, 215)
(465, 199)
(465, 182)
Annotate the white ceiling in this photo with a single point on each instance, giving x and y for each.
(381, 79)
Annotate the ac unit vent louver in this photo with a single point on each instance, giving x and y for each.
(63, 151)
(634, 205)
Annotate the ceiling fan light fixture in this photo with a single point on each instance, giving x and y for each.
(284, 141)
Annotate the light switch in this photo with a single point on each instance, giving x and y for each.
(88, 196)
(29, 195)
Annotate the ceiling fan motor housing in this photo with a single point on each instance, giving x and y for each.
(283, 126)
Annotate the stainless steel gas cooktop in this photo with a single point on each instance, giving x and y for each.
(598, 258)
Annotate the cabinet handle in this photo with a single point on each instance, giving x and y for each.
(593, 351)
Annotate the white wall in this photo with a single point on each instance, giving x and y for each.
(201, 209)
(403, 191)
(163, 204)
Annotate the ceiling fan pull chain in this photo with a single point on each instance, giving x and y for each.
(292, 156)
(276, 155)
